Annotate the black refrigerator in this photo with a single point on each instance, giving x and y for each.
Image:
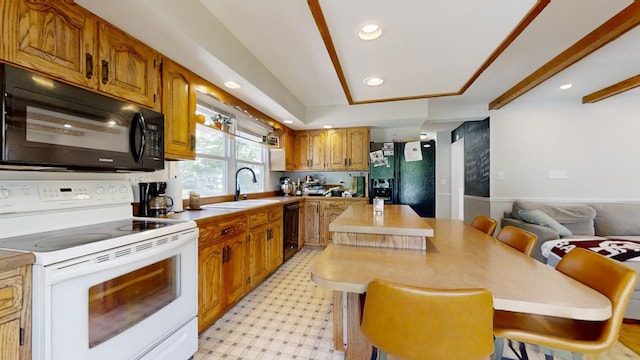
(400, 175)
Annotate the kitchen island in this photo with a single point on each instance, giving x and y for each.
(456, 256)
(397, 227)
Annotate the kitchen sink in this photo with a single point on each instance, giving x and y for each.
(242, 204)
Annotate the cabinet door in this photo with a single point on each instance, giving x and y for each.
(210, 289)
(128, 68)
(179, 108)
(258, 268)
(288, 142)
(329, 212)
(10, 339)
(358, 148)
(316, 150)
(311, 222)
(236, 276)
(55, 37)
(336, 152)
(301, 157)
(275, 252)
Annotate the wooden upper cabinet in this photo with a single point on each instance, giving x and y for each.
(128, 68)
(357, 145)
(301, 150)
(179, 108)
(63, 40)
(336, 153)
(334, 149)
(54, 36)
(316, 150)
(288, 141)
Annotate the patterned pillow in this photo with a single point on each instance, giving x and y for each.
(539, 217)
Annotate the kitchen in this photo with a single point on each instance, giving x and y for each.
(177, 143)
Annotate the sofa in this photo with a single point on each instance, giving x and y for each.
(558, 224)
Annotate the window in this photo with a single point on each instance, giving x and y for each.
(207, 174)
(250, 154)
(218, 156)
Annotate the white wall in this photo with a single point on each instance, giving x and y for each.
(596, 145)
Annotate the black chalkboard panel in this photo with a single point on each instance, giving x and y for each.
(476, 158)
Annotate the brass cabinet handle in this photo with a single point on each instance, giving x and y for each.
(105, 72)
(89, 65)
(225, 231)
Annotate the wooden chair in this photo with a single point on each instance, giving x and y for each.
(418, 323)
(610, 277)
(518, 239)
(485, 224)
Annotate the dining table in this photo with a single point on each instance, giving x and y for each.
(454, 256)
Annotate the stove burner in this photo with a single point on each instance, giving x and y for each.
(141, 225)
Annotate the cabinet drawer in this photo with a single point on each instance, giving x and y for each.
(333, 204)
(10, 295)
(275, 213)
(221, 230)
(258, 219)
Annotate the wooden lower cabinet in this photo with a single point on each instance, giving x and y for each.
(265, 243)
(222, 264)
(275, 239)
(330, 211)
(258, 232)
(15, 314)
(310, 222)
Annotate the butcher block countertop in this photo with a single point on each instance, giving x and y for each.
(13, 259)
(396, 220)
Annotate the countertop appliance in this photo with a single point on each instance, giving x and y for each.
(106, 285)
(153, 199)
(47, 123)
(405, 182)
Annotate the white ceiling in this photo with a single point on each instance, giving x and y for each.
(274, 49)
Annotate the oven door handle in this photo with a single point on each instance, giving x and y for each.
(137, 127)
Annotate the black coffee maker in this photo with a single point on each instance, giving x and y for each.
(153, 200)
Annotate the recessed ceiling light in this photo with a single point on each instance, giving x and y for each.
(232, 85)
(327, 126)
(370, 32)
(373, 80)
(288, 121)
(566, 86)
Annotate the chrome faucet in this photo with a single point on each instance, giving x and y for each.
(237, 194)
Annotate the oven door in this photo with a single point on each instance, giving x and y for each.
(122, 307)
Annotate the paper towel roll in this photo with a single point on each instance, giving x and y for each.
(174, 191)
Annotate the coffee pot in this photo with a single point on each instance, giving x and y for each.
(153, 199)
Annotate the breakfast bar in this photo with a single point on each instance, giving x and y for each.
(455, 256)
(397, 227)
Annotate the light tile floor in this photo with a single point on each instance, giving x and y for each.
(289, 317)
(285, 317)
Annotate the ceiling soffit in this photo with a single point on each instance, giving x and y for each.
(440, 76)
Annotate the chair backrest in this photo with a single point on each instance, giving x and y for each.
(518, 239)
(485, 224)
(610, 277)
(419, 323)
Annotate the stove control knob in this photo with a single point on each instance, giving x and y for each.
(123, 189)
(99, 190)
(112, 189)
(4, 193)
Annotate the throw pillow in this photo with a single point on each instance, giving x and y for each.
(539, 217)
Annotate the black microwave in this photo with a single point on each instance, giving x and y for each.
(47, 123)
